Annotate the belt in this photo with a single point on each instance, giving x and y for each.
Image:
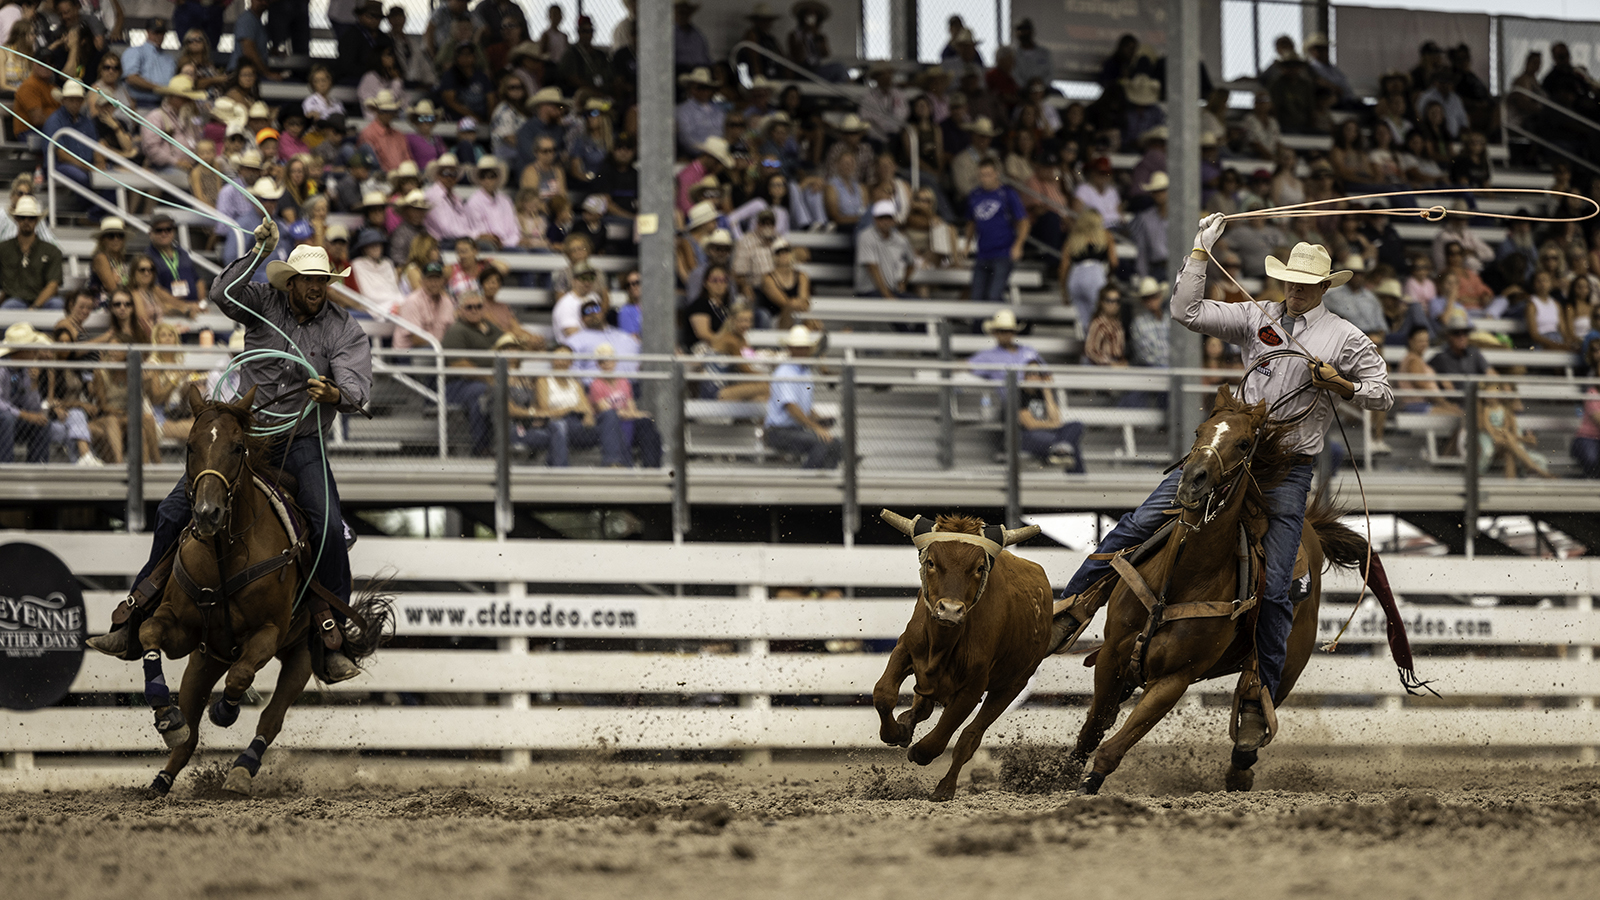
(1303, 459)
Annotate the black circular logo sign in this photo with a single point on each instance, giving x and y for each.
(42, 627)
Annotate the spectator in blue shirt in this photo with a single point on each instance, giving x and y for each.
(463, 89)
(996, 216)
(250, 40)
(790, 426)
(74, 157)
(147, 67)
(1006, 351)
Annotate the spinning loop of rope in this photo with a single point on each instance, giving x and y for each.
(1436, 213)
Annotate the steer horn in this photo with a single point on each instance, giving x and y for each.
(899, 522)
(1018, 535)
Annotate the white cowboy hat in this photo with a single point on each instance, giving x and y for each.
(260, 110)
(981, 125)
(23, 333)
(231, 113)
(1142, 90)
(722, 237)
(851, 124)
(446, 160)
(111, 225)
(424, 108)
(1355, 262)
(717, 148)
(266, 189)
(1002, 320)
(406, 169)
(1308, 264)
(72, 88)
(1158, 133)
(702, 213)
(416, 199)
(26, 207)
(181, 86)
(338, 233)
(547, 95)
(699, 75)
(1389, 287)
(1158, 182)
(800, 336)
(384, 101)
(1149, 287)
(250, 158)
(1455, 320)
(373, 198)
(305, 260)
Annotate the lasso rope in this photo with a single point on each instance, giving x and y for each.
(1311, 208)
(291, 421)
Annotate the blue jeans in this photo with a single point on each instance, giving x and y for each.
(40, 438)
(1038, 442)
(19, 303)
(1288, 511)
(302, 459)
(471, 393)
(1586, 453)
(640, 434)
(990, 278)
(560, 436)
(803, 442)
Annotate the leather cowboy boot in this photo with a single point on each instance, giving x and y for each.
(140, 602)
(1069, 619)
(1252, 726)
(337, 666)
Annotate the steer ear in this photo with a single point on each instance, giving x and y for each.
(1018, 535)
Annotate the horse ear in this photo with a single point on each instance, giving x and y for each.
(245, 403)
(1224, 398)
(196, 398)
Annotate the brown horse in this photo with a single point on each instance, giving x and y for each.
(1202, 633)
(233, 602)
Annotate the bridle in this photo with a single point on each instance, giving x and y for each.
(229, 485)
(1230, 477)
(924, 537)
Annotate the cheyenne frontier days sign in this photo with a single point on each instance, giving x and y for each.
(42, 627)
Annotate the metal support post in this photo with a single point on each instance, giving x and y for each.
(498, 396)
(653, 44)
(680, 457)
(1469, 425)
(135, 445)
(1183, 198)
(847, 458)
(1013, 453)
(947, 431)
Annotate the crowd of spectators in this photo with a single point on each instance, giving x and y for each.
(479, 135)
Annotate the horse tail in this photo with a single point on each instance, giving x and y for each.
(375, 602)
(1341, 545)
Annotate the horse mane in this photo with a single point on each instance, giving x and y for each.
(960, 524)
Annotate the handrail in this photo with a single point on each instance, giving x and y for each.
(1540, 98)
(1542, 142)
(438, 358)
(181, 196)
(1534, 138)
(785, 61)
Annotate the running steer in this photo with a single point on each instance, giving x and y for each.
(982, 623)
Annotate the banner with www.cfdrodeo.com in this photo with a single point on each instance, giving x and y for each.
(565, 616)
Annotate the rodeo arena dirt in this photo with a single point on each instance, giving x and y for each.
(646, 457)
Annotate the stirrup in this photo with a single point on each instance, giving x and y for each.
(1065, 629)
(1253, 731)
(338, 667)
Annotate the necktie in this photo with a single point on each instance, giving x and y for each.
(1288, 324)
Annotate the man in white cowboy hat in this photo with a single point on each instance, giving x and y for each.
(549, 109)
(1002, 326)
(791, 426)
(697, 117)
(380, 134)
(1149, 336)
(1148, 229)
(295, 303)
(1345, 365)
(851, 130)
(74, 156)
(885, 108)
(30, 267)
(267, 192)
(964, 165)
(413, 209)
(234, 202)
(491, 217)
(718, 247)
(447, 219)
(172, 121)
(711, 159)
(1144, 110)
(25, 410)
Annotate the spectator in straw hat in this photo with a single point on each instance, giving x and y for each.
(697, 117)
(711, 159)
(386, 142)
(423, 144)
(1144, 111)
(233, 201)
(548, 107)
(24, 415)
(964, 165)
(447, 217)
(491, 216)
(75, 157)
(1003, 327)
(791, 425)
(413, 211)
(1150, 334)
(851, 130)
(30, 268)
(172, 121)
(1149, 228)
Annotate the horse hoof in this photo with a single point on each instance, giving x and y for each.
(1091, 784)
(222, 713)
(942, 794)
(172, 727)
(921, 755)
(1239, 780)
(161, 785)
(238, 781)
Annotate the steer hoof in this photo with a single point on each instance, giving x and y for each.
(238, 781)
(222, 713)
(171, 726)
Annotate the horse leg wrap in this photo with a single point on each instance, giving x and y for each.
(155, 684)
(225, 712)
(250, 759)
(1244, 759)
(162, 784)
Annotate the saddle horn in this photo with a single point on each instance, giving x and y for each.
(1018, 535)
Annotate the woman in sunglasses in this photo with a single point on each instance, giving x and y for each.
(105, 113)
(424, 145)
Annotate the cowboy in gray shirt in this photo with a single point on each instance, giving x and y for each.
(294, 301)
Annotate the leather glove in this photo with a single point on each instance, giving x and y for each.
(1210, 229)
(1326, 377)
(267, 235)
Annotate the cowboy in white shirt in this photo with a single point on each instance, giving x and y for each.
(1351, 368)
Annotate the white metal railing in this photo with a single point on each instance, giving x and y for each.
(506, 699)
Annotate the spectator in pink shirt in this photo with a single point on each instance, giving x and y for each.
(713, 159)
(429, 308)
(491, 217)
(448, 217)
(388, 143)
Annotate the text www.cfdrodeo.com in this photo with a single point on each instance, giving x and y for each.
(506, 614)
